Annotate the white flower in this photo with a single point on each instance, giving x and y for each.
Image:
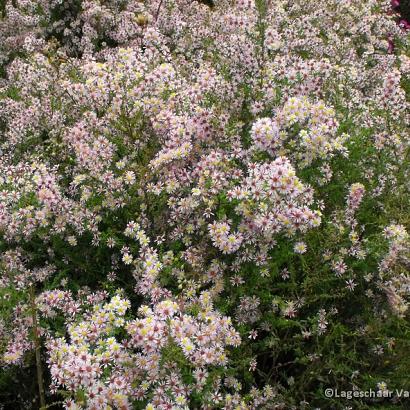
(300, 247)
(127, 259)
(72, 240)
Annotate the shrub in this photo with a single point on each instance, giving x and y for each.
(203, 207)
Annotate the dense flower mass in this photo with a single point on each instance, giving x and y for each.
(204, 204)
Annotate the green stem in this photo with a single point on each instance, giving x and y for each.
(37, 347)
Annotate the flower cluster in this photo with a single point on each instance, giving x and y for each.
(393, 269)
(265, 134)
(78, 364)
(223, 239)
(273, 199)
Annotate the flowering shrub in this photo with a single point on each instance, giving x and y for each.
(203, 204)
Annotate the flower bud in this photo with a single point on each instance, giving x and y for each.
(141, 20)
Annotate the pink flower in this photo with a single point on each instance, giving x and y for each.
(253, 334)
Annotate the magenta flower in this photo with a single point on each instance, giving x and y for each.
(404, 24)
(395, 3)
